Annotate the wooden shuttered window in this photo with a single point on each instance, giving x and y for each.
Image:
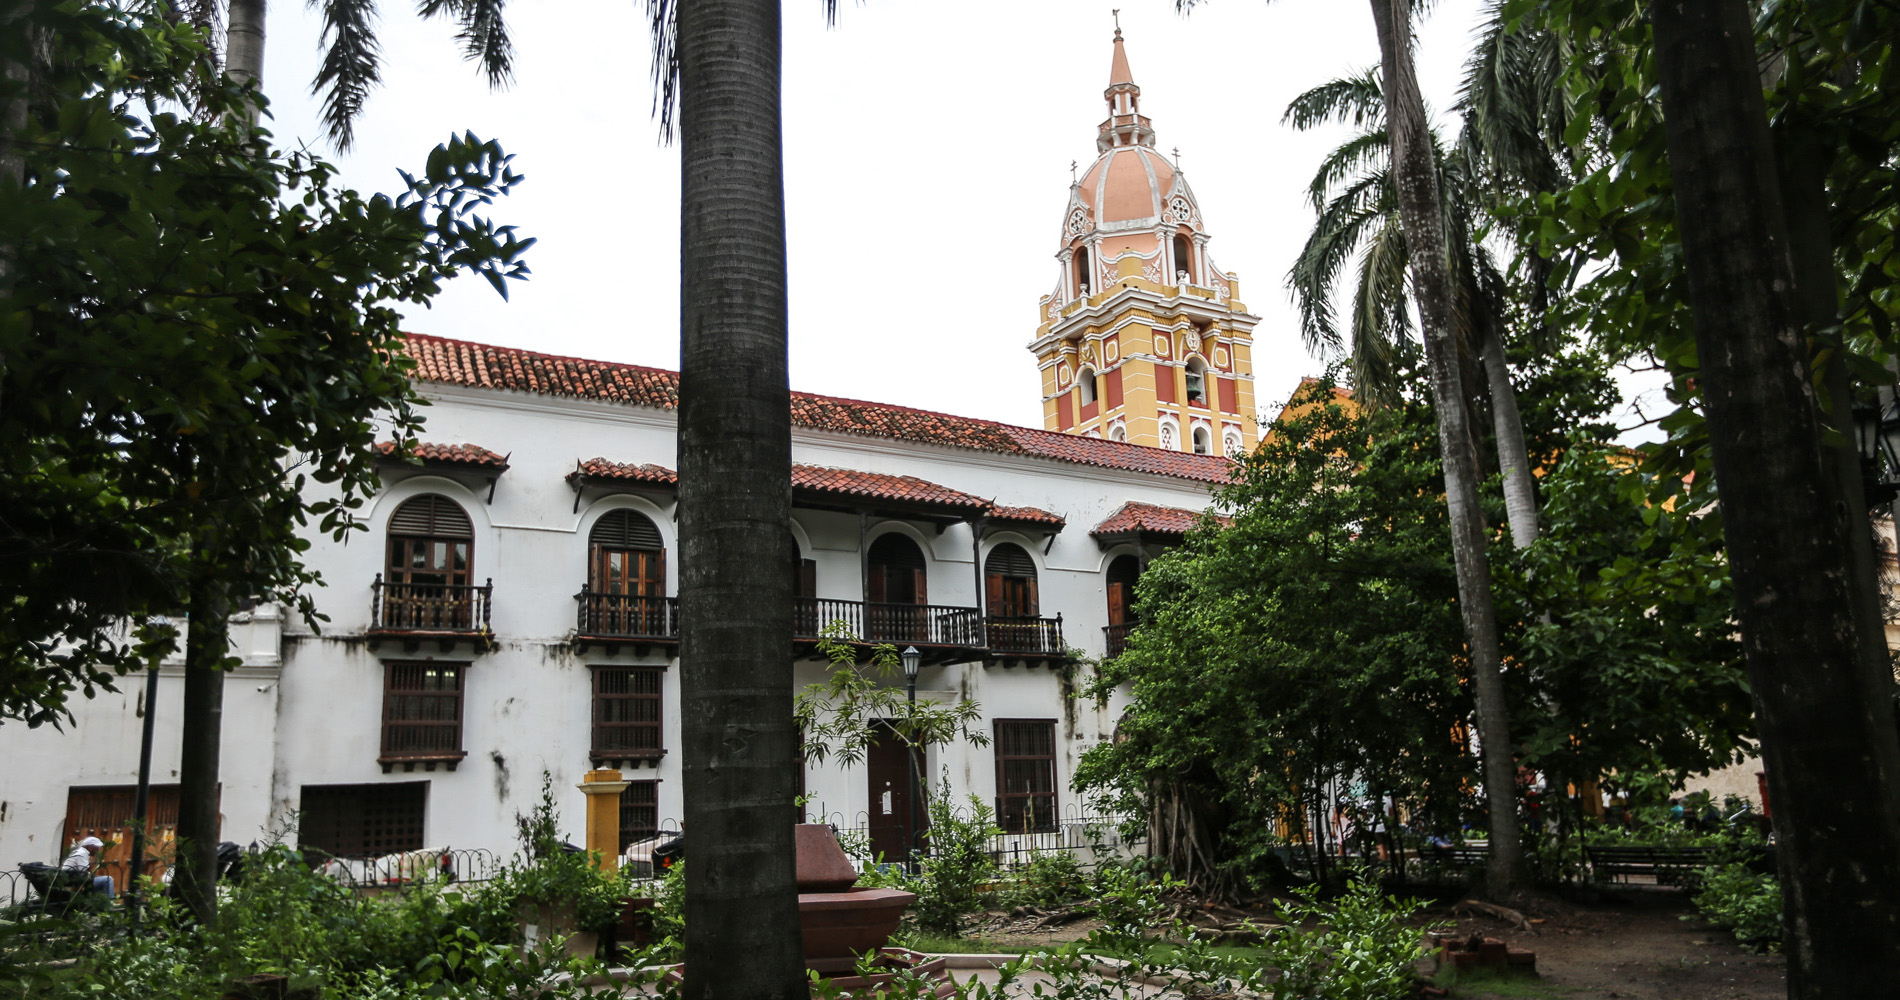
(361, 821)
(897, 572)
(1026, 775)
(1010, 583)
(627, 712)
(1123, 572)
(639, 812)
(422, 711)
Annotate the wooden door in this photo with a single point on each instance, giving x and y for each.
(106, 812)
(890, 772)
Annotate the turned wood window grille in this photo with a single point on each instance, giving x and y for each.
(422, 711)
(1026, 775)
(429, 581)
(639, 812)
(361, 821)
(627, 712)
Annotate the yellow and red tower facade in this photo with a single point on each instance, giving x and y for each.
(1144, 339)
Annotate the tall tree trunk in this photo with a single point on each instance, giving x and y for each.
(742, 937)
(1416, 178)
(1514, 460)
(206, 646)
(1825, 722)
(207, 643)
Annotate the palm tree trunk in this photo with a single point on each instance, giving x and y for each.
(206, 645)
(1416, 178)
(1825, 721)
(742, 936)
(1514, 460)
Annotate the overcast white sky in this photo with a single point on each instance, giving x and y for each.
(927, 165)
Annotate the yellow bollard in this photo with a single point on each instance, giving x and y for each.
(603, 789)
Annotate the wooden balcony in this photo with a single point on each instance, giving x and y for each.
(1115, 637)
(944, 634)
(611, 619)
(447, 611)
(1026, 640)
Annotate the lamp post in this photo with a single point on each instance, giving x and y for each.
(912, 660)
(1877, 438)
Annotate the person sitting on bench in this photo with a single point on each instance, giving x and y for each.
(80, 860)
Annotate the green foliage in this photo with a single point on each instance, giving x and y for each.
(857, 701)
(546, 872)
(1049, 878)
(1742, 901)
(1127, 899)
(952, 876)
(200, 336)
(1358, 947)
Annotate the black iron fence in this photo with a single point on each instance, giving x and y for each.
(429, 607)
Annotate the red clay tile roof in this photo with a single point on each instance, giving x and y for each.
(1149, 518)
(876, 486)
(600, 468)
(458, 454)
(1027, 515)
(458, 362)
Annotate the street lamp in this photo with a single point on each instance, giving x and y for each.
(1877, 439)
(913, 660)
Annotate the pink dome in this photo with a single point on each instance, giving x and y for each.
(1127, 184)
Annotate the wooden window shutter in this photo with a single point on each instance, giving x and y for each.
(993, 592)
(808, 578)
(1035, 605)
(432, 516)
(919, 580)
(1116, 604)
(875, 594)
(626, 529)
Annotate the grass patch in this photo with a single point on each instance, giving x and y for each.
(1483, 984)
(932, 944)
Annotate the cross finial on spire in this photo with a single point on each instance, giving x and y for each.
(1177, 157)
(1116, 13)
(1072, 166)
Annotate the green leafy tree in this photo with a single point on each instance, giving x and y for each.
(200, 348)
(855, 703)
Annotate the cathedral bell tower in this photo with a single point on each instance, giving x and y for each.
(1143, 339)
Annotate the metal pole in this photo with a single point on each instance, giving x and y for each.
(910, 758)
(141, 799)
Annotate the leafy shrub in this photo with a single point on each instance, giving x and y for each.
(1049, 879)
(1358, 947)
(1746, 903)
(1126, 901)
(950, 880)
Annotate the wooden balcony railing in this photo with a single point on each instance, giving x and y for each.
(429, 607)
(901, 624)
(1115, 637)
(628, 616)
(1031, 636)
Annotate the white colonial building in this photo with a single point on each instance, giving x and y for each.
(511, 607)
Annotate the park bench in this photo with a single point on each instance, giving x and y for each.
(1667, 865)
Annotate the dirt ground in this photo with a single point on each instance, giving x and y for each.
(1633, 946)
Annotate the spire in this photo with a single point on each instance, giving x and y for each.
(1125, 125)
(1118, 70)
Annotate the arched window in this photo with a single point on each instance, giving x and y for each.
(428, 583)
(895, 592)
(1197, 381)
(1118, 433)
(1230, 443)
(1183, 257)
(1085, 384)
(1123, 571)
(1081, 271)
(1010, 578)
(805, 623)
(1167, 435)
(626, 576)
(1203, 441)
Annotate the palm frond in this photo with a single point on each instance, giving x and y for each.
(1336, 238)
(1382, 323)
(351, 64)
(1354, 100)
(483, 34)
(1367, 151)
(206, 16)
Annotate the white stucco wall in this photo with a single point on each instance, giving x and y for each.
(307, 711)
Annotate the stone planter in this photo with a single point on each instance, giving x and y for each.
(539, 919)
(839, 926)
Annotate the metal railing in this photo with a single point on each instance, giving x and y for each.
(918, 624)
(429, 607)
(1011, 634)
(627, 616)
(1115, 637)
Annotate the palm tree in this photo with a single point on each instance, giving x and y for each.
(1826, 727)
(716, 74)
(1415, 181)
(1361, 220)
